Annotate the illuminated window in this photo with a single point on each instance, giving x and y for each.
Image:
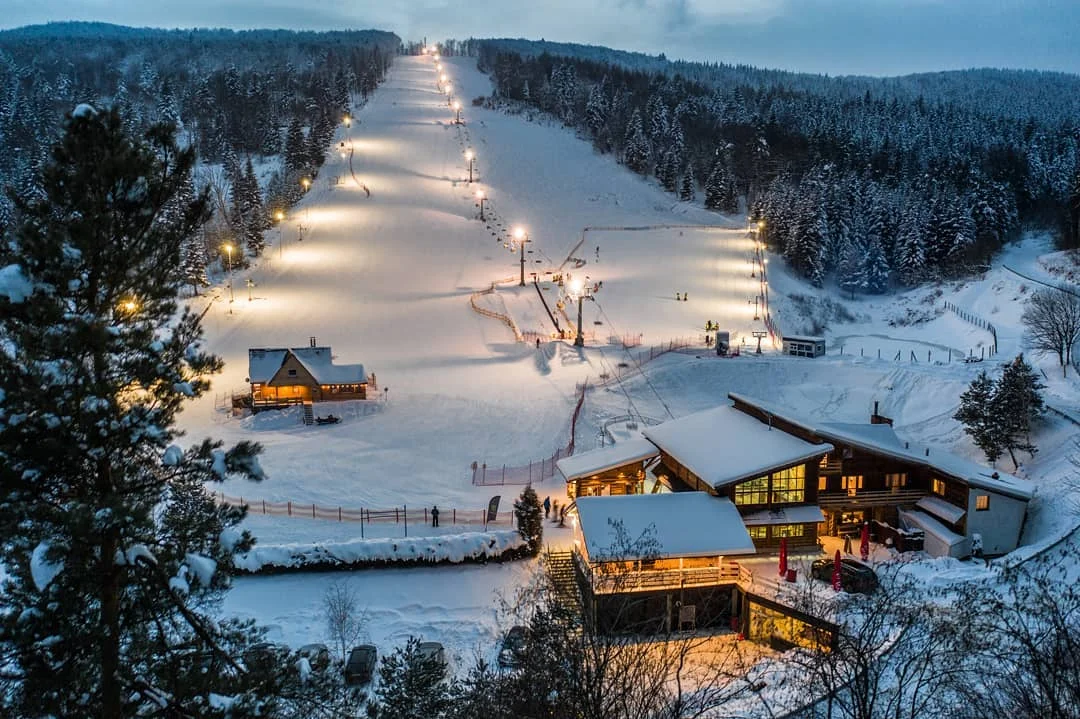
(822, 483)
(851, 483)
(757, 532)
(788, 530)
(756, 491)
(895, 481)
(982, 502)
(937, 487)
(789, 485)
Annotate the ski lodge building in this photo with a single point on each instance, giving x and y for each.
(734, 480)
(280, 377)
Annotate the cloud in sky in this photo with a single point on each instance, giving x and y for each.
(878, 37)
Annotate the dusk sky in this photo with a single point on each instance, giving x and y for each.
(878, 37)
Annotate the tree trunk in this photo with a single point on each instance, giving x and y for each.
(1012, 456)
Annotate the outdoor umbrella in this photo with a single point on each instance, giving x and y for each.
(836, 572)
(783, 556)
(864, 545)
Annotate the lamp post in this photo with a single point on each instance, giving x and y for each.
(521, 237)
(470, 156)
(442, 81)
(457, 111)
(279, 216)
(348, 121)
(305, 182)
(449, 88)
(228, 259)
(581, 293)
(250, 283)
(481, 198)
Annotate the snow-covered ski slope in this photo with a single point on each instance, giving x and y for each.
(386, 280)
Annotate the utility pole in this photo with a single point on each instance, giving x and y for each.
(759, 334)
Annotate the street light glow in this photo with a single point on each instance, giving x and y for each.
(457, 105)
(306, 182)
(479, 194)
(575, 288)
(443, 77)
(279, 215)
(469, 155)
(519, 233)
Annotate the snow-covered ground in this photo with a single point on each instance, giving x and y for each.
(386, 280)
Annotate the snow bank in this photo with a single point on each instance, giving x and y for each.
(14, 285)
(453, 548)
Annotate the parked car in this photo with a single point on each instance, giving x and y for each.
(512, 652)
(360, 667)
(854, 575)
(264, 658)
(318, 655)
(433, 650)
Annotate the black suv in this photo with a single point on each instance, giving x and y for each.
(854, 575)
(361, 664)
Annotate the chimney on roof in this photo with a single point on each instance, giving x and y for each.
(927, 451)
(995, 475)
(312, 341)
(907, 445)
(876, 418)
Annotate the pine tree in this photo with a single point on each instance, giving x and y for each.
(296, 150)
(874, 269)
(976, 414)
(851, 267)
(910, 249)
(530, 519)
(637, 147)
(111, 543)
(1016, 404)
(687, 187)
(411, 685)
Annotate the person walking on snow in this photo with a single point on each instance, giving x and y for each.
(435, 516)
(547, 507)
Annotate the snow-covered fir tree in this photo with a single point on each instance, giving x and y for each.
(874, 270)
(113, 548)
(687, 185)
(530, 519)
(637, 147)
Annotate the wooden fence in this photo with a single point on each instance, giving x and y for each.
(974, 319)
(636, 360)
(403, 515)
(504, 318)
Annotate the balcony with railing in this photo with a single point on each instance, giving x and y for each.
(618, 578)
(870, 498)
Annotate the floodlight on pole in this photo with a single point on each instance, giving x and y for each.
(481, 198)
(471, 157)
(280, 217)
(578, 291)
(521, 236)
(457, 111)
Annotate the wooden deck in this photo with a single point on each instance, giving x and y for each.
(874, 498)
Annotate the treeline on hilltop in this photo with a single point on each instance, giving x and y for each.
(231, 95)
(863, 180)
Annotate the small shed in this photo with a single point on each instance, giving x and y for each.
(797, 346)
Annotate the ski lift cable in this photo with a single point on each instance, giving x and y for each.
(629, 356)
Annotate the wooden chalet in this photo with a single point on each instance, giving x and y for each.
(871, 475)
(769, 475)
(284, 376)
(656, 563)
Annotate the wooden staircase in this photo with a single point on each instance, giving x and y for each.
(564, 579)
(309, 413)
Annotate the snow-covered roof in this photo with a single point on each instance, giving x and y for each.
(263, 363)
(723, 445)
(882, 439)
(928, 524)
(941, 509)
(798, 514)
(600, 460)
(684, 524)
(318, 361)
(803, 338)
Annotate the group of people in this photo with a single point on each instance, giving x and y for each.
(680, 297)
(560, 513)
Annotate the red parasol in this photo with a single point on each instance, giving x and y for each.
(864, 545)
(783, 556)
(836, 572)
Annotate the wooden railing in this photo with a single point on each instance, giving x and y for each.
(871, 498)
(645, 580)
